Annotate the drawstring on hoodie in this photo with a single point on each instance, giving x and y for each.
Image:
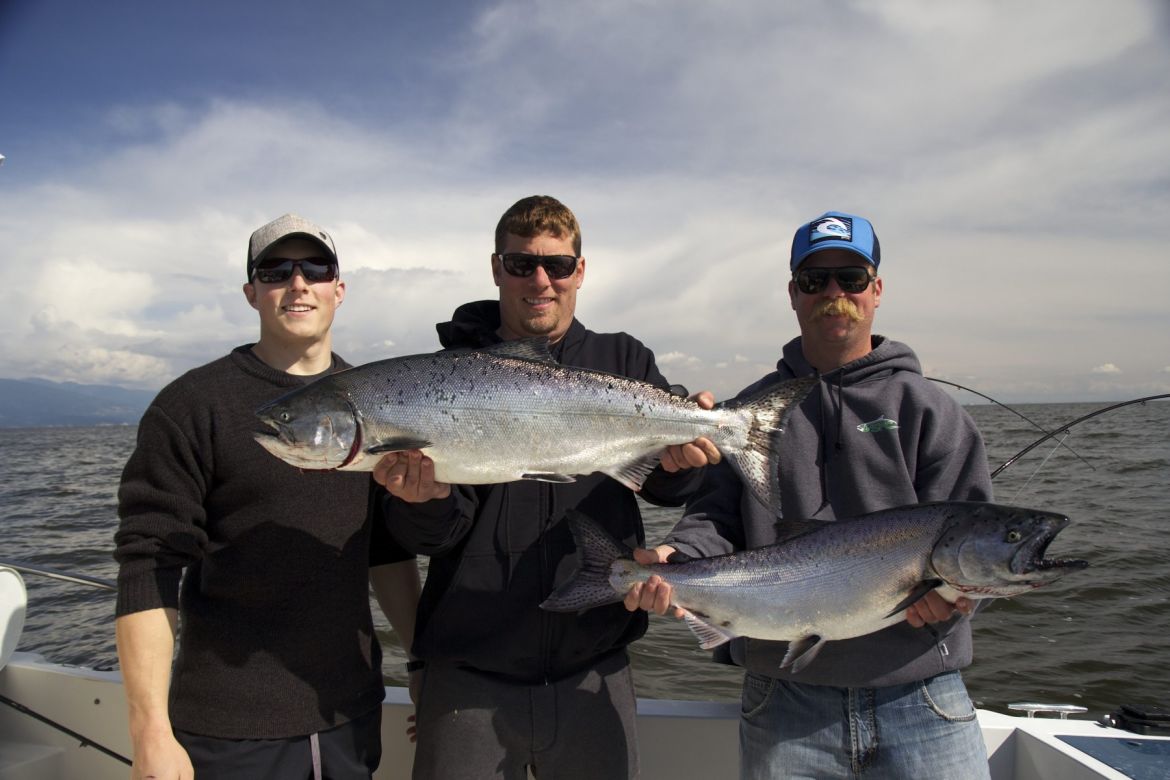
(840, 443)
(832, 377)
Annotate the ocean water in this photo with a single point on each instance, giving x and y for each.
(1098, 638)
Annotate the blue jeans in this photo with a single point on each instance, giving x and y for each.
(923, 729)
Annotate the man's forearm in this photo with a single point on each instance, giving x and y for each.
(397, 587)
(146, 646)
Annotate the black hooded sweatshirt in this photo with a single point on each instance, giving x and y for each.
(497, 551)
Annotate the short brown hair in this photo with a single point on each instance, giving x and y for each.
(536, 215)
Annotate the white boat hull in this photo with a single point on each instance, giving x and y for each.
(677, 739)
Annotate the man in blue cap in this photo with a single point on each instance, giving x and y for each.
(891, 704)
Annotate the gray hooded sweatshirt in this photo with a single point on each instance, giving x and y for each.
(876, 434)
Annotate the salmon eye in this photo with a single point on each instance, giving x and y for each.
(1014, 536)
(285, 417)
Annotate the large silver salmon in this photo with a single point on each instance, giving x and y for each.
(835, 581)
(510, 412)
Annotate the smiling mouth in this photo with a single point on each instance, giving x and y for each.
(298, 308)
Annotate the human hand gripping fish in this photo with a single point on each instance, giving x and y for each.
(698, 453)
(410, 476)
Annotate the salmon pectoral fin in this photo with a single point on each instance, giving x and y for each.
(398, 445)
(708, 635)
(920, 590)
(548, 477)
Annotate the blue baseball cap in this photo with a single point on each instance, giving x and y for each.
(835, 230)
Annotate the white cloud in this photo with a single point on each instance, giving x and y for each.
(1106, 368)
(677, 359)
(999, 165)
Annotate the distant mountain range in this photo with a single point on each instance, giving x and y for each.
(32, 403)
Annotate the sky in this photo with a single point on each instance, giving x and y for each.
(1013, 157)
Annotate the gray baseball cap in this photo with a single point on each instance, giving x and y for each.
(287, 226)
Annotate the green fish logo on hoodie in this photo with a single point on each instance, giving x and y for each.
(882, 423)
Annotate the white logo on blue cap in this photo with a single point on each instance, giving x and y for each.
(834, 228)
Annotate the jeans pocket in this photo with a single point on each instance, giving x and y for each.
(946, 696)
(757, 690)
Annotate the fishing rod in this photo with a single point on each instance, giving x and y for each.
(1021, 415)
(1064, 428)
(83, 579)
(57, 574)
(84, 740)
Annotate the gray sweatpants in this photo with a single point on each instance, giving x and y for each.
(473, 726)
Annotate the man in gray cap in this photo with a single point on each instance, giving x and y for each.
(279, 672)
(876, 435)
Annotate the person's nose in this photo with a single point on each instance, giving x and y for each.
(298, 281)
(540, 277)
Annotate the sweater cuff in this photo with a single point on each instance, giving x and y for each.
(148, 590)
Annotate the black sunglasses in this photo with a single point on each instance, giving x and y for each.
(274, 270)
(523, 264)
(851, 279)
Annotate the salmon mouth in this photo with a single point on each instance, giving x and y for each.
(269, 430)
(1031, 559)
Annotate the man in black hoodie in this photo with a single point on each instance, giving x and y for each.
(508, 686)
(877, 435)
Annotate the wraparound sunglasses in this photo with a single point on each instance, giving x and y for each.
(523, 264)
(273, 270)
(851, 279)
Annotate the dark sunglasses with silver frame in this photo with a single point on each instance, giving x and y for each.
(274, 270)
(851, 279)
(524, 264)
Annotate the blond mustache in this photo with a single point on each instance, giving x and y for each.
(838, 307)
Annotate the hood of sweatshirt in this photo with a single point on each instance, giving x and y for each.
(885, 357)
(476, 324)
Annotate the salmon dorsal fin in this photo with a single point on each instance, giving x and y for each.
(535, 348)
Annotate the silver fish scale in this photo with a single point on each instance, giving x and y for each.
(493, 419)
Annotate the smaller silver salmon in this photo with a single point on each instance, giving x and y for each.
(836, 580)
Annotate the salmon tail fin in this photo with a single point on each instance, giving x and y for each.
(758, 463)
(589, 586)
